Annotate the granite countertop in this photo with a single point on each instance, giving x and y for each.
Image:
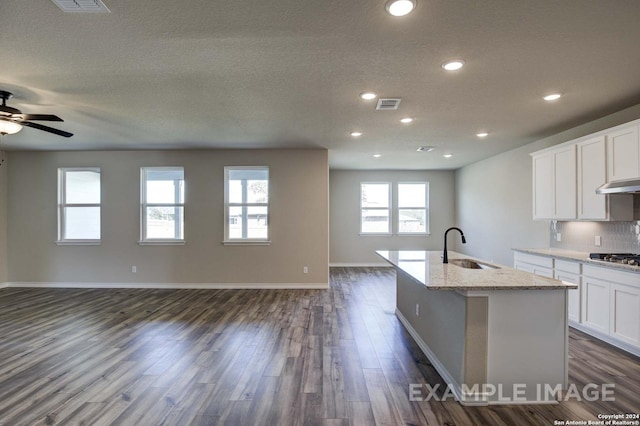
(579, 256)
(426, 267)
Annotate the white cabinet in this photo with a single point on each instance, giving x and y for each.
(565, 183)
(539, 265)
(592, 173)
(595, 304)
(569, 272)
(624, 321)
(623, 152)
(606, 303)
(543, 188)
(565, 177)
(554, 184)
(611, 306)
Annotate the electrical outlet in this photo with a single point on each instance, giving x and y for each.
(598, 241)
(134, 269)
(305, 270)
(417, 309)
(558, 237)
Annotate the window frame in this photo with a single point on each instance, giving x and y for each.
(246, 241)
(425, 208)
(62, 205)
(389, 208)
(144, 240)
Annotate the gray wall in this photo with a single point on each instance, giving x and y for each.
(494, 196)
(299, 220)
(3, 222)
(349, 248)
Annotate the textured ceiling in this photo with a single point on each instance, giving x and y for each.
(157, 74)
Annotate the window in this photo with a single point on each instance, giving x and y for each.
(246, 199)
(413, 201)
(79, 205)
(162, 205)
(375, 208)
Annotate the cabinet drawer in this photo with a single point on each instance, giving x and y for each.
(545, 262)
(567, 266)
(612, 275)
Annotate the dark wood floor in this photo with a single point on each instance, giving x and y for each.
(243, 357)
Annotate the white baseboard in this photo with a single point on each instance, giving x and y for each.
(4, 285)
(607, 339)
(360, 265)
(183, 286)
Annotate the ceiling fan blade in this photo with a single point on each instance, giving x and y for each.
(37, 117)
(46, 129)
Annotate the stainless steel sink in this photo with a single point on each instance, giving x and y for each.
(471, 264)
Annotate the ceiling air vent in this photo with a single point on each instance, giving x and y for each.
(425, 148)
(84, 6)
(388, 104)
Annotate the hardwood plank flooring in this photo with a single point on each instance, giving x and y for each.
(250, 357)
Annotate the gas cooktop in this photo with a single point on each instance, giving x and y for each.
(624, 258)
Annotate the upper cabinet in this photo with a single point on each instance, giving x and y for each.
(565, 177)
(592, 173)
(623, 151)
(554, 184)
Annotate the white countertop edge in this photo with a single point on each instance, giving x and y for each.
(577, 256)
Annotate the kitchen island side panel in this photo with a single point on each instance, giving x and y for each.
(440, 322)
(527, 344)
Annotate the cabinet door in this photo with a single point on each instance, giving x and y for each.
(592, 172)
(542, 271)
(543, 187)
(623, 152)
(523, 266)
(565, 183)
(595, 304)
(625, 313)
(573, 296)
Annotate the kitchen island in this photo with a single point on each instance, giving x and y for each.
(495, 334)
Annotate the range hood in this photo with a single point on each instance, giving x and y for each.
(627, 186)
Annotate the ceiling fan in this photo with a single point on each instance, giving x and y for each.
(12, 119)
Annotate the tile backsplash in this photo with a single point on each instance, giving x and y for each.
(620, 237)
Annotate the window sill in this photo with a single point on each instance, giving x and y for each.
(78, 242)
(246, 242)
(376, 234)
(413, 234)
(162, 243)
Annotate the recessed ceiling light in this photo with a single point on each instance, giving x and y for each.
(482, 134)
(356, 134)
(406, 120)
(377, 155)
(448, 155)
(453, 65)
(367, 96)
(400, 7)
(552, 97)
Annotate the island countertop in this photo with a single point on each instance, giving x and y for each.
(426, 267)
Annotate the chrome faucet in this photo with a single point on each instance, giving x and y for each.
(445, 256)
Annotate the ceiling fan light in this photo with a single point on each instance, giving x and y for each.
(9, 127)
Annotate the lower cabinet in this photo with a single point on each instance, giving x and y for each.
(569, 272)
(538, 265)
(611, 305)
(624, 313)
(606, 303)
(595, 304)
